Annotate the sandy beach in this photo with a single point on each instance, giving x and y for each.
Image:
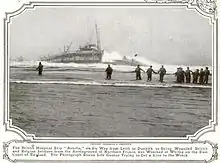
(71, 110)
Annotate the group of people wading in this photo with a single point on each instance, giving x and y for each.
(138, 70)
(200, 77)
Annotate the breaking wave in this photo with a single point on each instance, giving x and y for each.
(113, 58)
(116, 84)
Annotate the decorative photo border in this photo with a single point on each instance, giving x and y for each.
(214, 155)
(205, 8)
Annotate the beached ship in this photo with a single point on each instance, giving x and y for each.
(90, 53)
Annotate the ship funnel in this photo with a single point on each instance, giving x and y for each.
(98, 38)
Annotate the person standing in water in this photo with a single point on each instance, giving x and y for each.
(40, 69)
(188, 75)
(195, 76)
(182, 75)
(201, 76)
(177, 74)
(138, 72)
(149, 73)
(162, 72)
(109, 71)
(206, 75)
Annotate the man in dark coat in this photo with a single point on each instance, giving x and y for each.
(188, 75)
(40, 69)
(138, 72)
(195, 76)
(206, 75)
(201, 76)
(182, 75)
(162, 72)
(109, 71)
(149, 73)
(177, 74)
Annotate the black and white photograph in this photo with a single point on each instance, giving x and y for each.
(110, 71)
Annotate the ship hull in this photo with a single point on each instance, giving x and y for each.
(77, 61)
(78, 58)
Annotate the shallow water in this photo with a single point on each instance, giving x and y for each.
(105, 111)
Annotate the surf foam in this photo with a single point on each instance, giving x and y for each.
(115, 84)
(108, 57)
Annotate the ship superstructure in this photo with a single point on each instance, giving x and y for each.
(89, 53)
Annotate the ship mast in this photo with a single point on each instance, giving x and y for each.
(98, 38)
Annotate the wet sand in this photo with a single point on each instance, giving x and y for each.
(64, 110)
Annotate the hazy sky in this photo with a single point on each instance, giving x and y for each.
(165, 35)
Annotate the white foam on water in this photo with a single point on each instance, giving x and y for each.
(108, 57)
(105, 83)
(111, 56)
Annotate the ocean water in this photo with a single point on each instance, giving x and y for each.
(79, 102)
(108, 58)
